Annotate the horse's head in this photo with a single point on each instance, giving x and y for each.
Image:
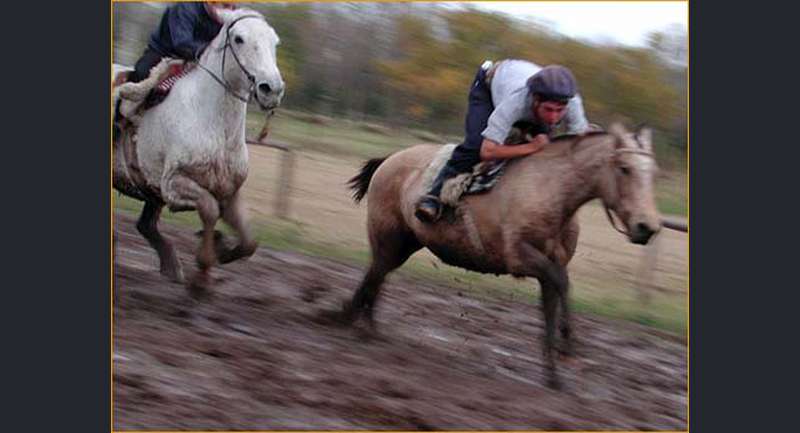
(248, 44)
(628, 186)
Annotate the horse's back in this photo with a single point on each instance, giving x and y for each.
(398, 170)
(481, 233)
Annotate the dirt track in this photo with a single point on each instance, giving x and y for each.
(256, 355)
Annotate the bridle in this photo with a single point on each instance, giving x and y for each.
(609, 214)
(222, 81)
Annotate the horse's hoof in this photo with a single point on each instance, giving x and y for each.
(227, 255)
(553, 382)
(348, 314)
(566, 350)
(249, 249)
(367, 334)
(199, 287)
(199, 293)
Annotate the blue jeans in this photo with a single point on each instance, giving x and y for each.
(480, 107)
(142, 68)
(468, 153)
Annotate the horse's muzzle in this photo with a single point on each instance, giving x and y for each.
(641, 234)
(268, 103)
(269, 96)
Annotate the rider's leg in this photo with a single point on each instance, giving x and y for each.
(142, 68)
(465, 155)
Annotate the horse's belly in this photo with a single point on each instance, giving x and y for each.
(479, 259)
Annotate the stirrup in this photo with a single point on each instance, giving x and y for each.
(423, 216)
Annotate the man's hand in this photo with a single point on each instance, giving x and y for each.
(492, 151)
(538, 143)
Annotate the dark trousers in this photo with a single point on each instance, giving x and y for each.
(468, 153)
(142, 68)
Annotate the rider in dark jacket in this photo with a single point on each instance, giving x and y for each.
(185, 31)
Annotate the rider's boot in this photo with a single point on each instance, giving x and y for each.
(429, 208)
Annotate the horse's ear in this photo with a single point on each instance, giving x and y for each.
(645, 137)
(225, 15)
(617, 130)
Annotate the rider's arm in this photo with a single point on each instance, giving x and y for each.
(505, 114)
(514, 108)
(491, 150)
(182, 22)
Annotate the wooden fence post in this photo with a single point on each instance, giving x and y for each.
(285, 177)
(644, 277)
(282, 200)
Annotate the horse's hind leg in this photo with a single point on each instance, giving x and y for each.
(148, 227)
(181, 193)
(234, 215)
(389, 252)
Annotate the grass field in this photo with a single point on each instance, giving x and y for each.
(323, 221)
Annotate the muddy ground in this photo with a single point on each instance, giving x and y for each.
(258, 356)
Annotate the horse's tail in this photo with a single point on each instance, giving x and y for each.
(360, 182)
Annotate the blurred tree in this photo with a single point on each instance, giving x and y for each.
(411, 64)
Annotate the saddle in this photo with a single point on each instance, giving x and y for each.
(132, 99)
(482, 178)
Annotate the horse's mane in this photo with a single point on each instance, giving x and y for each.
(572, 136)
(568, 143)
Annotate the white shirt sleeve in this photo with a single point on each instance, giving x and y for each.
(512, 109)
(575, 118)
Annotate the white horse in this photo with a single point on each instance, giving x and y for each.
(189, 152)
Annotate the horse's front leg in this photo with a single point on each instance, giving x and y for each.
(234, 215)
(549, 302)
(531, 262)
(148, 227)
(565, 252)
(180, 193)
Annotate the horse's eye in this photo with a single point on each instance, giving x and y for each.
(238, 40)
(624, 170)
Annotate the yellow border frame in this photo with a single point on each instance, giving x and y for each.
(688, 210)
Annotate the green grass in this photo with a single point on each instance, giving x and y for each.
(336, 136)
(667, 313)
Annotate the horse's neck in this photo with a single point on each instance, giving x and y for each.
(586, 161)
(215, 107)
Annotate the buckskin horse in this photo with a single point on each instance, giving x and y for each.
(525, 226)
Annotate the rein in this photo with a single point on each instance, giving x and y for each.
(222, 81)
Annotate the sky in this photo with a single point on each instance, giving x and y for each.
(623, 22)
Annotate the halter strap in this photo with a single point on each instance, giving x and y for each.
(609, 214)
(613, 221)
(608, 210)
(222, 81)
